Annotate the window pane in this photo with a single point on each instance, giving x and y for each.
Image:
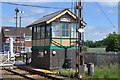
(56, 33)
(73, 30)
(48, 31)
(42, 32)
(38, 32)
(56, 25)
(34, 32)
(65, 30)
(55, 29)
(67, 33)
(65, 25)
(28, 39)
(14, 38)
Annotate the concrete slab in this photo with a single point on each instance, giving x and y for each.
(18, 63)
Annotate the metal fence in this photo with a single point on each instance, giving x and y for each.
(102, 58)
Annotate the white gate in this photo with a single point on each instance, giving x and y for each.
(6, 59)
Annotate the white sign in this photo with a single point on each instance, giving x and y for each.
(65, 19)
(40, 54)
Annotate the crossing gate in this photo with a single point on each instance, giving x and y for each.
(6, 59)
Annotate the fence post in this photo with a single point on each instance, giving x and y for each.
(90, 67)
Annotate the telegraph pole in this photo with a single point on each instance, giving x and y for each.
(80, 41)
(79, 35)
(16, 10)
(20, 33)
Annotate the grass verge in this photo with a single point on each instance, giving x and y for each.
(109, 71)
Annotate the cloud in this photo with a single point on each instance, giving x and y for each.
(34, 14)
(98, 10)
(26, 2)
(112, 11)
(8, 19)
(59, 0)
(109, 11)
(28, 17)
(117, 25)
(32, 0)
(36, 10)
(109, 4)
(95, 33)
(27, 20)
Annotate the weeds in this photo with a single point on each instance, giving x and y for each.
(110, 71)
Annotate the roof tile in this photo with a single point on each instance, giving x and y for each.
(12, 31)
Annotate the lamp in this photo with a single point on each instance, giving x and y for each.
(54, 52)
(45, 52)
(80, 30)
(17, 10)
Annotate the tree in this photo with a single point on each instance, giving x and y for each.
(95, 44)
(112, 42)
(89, 43)
(100, 44)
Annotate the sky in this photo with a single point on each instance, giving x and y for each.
(98, 26)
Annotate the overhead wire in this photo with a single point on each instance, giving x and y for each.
(106, 16)
(33, 5)
(72, 5)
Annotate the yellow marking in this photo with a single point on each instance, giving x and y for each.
(44, 71)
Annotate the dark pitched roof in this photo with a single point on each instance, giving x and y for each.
(47, 17)
(51, 17)
(11, 31)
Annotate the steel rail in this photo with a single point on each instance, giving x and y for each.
(19, 74)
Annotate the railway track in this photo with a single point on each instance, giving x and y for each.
(23, 74)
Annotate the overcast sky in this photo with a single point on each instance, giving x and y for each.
(98, 26)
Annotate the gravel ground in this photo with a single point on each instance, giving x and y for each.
(5, 75)
(10, 76)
